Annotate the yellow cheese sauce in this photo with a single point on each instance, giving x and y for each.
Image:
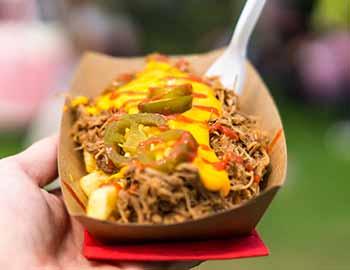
(205, 107)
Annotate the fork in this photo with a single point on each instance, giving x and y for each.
(230, 66)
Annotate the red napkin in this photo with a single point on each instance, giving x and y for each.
(233, 248)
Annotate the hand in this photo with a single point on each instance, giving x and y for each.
(36, 230)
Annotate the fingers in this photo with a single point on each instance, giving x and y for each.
(116, 265)
(184, 265)
(159, 265)
(39, 161)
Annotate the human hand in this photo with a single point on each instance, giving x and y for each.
(36, 230)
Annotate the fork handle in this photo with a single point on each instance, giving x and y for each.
(245, 25)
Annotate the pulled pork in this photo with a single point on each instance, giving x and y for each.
(154, 197)
(159, 198)
(249, 167)
(88, 131)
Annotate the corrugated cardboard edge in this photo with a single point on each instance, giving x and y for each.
(94, 73)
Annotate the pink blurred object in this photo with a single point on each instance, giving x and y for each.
(11, 10)
(324, 65)
(32, 57)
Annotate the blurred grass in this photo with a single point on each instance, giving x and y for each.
(11, 142)
(307, 226)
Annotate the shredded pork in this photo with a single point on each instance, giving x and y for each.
(154, 197)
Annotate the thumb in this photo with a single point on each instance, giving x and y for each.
(39, 161)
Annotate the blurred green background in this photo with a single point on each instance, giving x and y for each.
(301, 48)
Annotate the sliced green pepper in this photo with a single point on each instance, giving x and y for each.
(147, 119)
(115, 131)
(170, 91)
(183, 150)
(167, 106)
(134, 137)
(115, 135)
(168, 100)
(114, 155)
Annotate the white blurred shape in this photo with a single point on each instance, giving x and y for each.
(230, 66)
(47, 120)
